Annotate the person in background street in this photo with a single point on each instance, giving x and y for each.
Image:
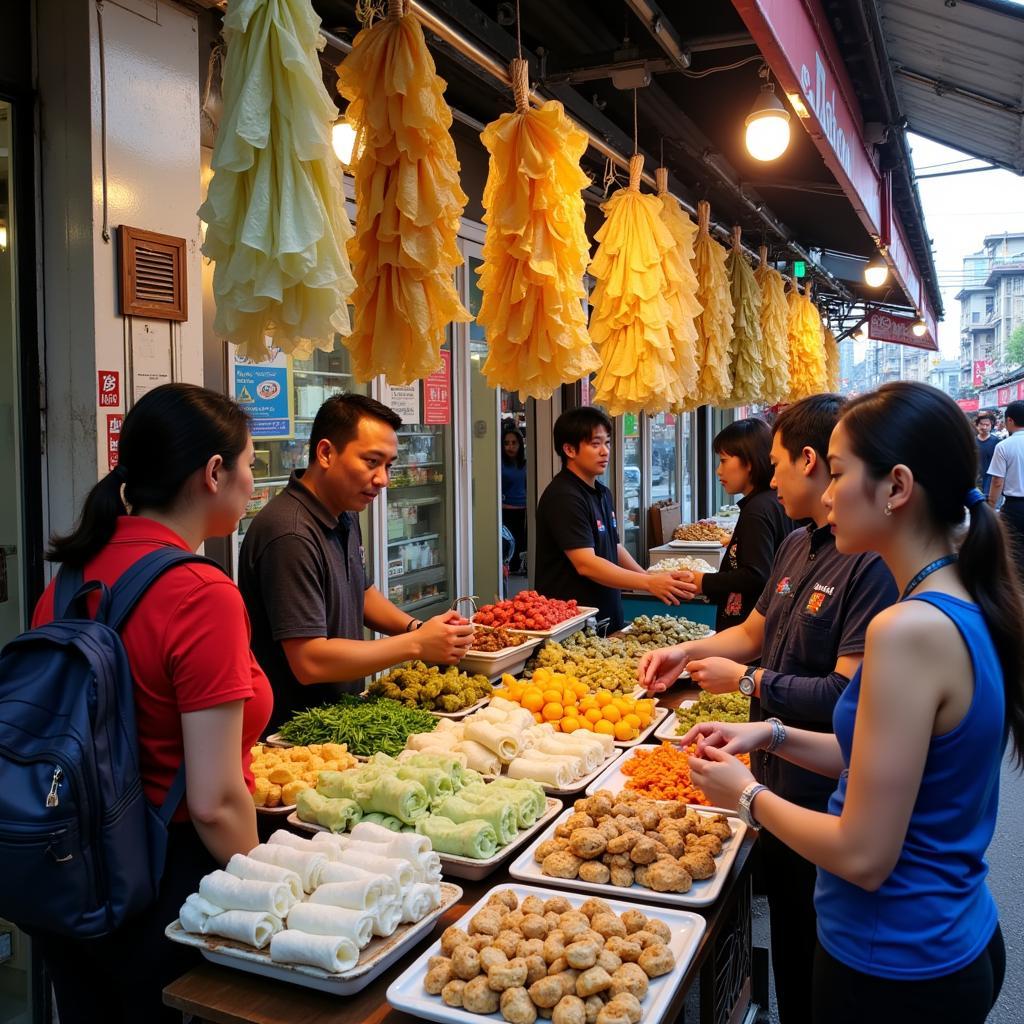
(744, 467)
(513, 490)
(301, 569)
(578, 554)
(1007, 472)
(908, 931)
(984, 423)
(807, 631)
(184, 476)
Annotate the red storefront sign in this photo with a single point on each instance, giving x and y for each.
(798, 43)
(1020, 390)
(981, 367)
(968, 404)
(108, 388)
(897, 329)
(1004, 395)
(114, 421)
(437, 393)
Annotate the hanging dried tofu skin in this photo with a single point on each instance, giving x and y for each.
(535, 250)
(774, 331)
(630, 319)
(275, 218)
(714, 324)
(408, 202)
(682, 294)
(748, 341)
(831, 361)
(806, 348)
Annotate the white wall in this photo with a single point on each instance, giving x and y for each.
(150, 61)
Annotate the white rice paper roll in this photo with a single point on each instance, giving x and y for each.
(332, 953)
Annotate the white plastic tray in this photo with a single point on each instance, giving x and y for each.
(407, 991)
(612, 777)
(280, 809)
(667, 729)
(467, 867)
(375, 958)
(563, 629)
(702, 894)
(581, 784)
(495, 663)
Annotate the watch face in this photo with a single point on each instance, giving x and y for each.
(747, 686)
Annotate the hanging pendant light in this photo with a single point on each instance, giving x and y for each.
(920, 328)
(876, 272)
(767, 133)
(343, 141)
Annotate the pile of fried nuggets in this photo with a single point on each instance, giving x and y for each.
(281, 773)
(625, 838)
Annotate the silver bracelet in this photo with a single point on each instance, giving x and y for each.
(778, 735)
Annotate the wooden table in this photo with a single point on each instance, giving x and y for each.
(723, 964)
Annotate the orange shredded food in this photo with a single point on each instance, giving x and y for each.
(664, 774)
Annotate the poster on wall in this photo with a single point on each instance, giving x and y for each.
(404, 401)
(437, 393)
(264, 390)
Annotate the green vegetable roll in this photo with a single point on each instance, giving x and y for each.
(473, 838)
(401, 798)
(535, 789)
(385, 821)
(522, 801)
(436, 782)
(337, 814)
(500, 814)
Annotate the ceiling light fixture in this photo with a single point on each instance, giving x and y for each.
(920, 328)
(876, 272)
(767, 132)
(343, 139)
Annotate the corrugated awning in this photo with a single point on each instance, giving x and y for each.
(958, 66)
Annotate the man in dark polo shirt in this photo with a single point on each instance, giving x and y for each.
(807, 634)
(577, 544)
(301, 569)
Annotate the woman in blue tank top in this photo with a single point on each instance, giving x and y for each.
(907, 928)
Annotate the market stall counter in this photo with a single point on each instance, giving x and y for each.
(723, 964)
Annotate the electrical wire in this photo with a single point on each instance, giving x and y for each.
(723, 67)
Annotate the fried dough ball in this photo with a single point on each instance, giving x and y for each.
(465, 962)
(610, 961)
(600, 804)
(452, 992)
(437, 961)
(507, 941)
(594, 905)
(530, 947)
(607, 925)
(608, 829)
(547, 992)
(595, 871)
(552, 919)
(630, 1004)
(438, 976)
(558, 966)
(582, 955)
(480, 941)
(617, 860)
(644, 852)
(589, 983)
(640, 875)
(533, 905)
(517, 1006)
(689, 823)
(710, 843)
(575, 821)
(556, 905)
(554, 945)
(570, 1010)
(534, 927)
(512, 920)
(630, 978)
(649, 816)
(491, 957)
(626, 948)
(621, 809)
(536, 968)
(511, 974)
(634, 921)
(573, 923)
(587, 843)
(479, 997)
(613, 1013)
(646, 938)
(659, 929)
(656, 960)
(561, 865)
(717, 828)
(580, 806)
(594, 1005)
(485, 922)
(451, 938)
(622, 877)
(623, 843)
(674, 843)
(506, 897)
(668, 876)
(699, 863)
(568, 979)
(629, 823)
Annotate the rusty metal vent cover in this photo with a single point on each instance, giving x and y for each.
(153, 276)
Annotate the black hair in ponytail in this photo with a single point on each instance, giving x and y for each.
(915, 425)
(171, 432)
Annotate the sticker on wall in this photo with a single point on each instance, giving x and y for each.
(114, 421)
(437, 393)
(108, 388)
(264, 390)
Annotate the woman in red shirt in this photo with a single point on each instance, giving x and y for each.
(184, 476)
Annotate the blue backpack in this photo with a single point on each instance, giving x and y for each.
(81, 848)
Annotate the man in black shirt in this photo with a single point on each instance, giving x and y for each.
(578, 551)
(987, 442)
(807, 632)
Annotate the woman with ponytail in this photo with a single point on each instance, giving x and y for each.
(907, 928)
(184, 476)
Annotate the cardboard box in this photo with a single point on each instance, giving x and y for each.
(662, 522)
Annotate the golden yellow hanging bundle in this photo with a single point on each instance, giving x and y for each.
(275, 212)
(631, 312)
(682, 295)
(831, 360)
(806, 347)
(408, 202)
(536, 249)
(748, 341)
(714, 325)
(774, 331)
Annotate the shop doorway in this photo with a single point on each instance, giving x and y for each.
(516, 518)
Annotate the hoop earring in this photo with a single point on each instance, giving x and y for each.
(124, 501)
(888, 508)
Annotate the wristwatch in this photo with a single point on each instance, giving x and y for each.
(746, 799)
(747, 683)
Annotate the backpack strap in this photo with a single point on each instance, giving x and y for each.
(174, 796)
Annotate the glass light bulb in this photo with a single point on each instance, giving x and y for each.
(876, 274)
(767, 135)
(920, 329)
(343, 139)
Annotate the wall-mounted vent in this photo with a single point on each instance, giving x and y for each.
(153, 275)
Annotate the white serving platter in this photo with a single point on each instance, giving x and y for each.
(468, 867)
(693, 545)
(494, 664)
(407, 991)
(659, 717)
(581, 783)
(612, 777)
(563, 629)
(374, 959)
(702, 894)
(667, 730)
(279, 810)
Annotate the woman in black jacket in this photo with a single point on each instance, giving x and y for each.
(744, 467)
